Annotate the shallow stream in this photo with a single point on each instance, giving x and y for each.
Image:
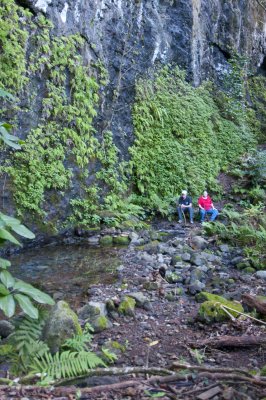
(67, 271)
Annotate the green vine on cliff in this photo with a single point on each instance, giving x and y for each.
(65, 131)
(182, 140)
(13, 39)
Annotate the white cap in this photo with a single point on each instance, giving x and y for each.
(184, 192)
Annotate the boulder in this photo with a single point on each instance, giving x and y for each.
(91, 310)
(198, 243)
(61, 324)
(173, 277)
(186, 257)
(261, 274)
(106, 240)
(224, 248)
(141, 300)
(93, 240)
(149, 286)
(121, 240)
(196, 259)
(96, 314)
(127, 306)
(211, 310)
(196, 286)
(175, 259)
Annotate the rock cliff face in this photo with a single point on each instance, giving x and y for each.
(131, 36)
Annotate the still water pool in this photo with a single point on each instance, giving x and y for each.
(67, 271)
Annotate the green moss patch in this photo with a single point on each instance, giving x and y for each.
(211, 311)
(127, 306)
(121, 240)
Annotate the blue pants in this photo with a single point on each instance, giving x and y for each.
(213, 213)
(185, 210)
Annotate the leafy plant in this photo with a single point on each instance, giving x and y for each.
(25, 343)
(12, 290)
(65, 365)
(80, 342)
(177, 127)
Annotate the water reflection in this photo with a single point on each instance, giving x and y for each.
(67, 270)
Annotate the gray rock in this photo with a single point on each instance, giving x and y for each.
(94, 240)
(186, 256)
(58, 296)
(92, 310)
(164, 248)
(61, 324)
(197, 274)
(135, 239)
(261, 274)
(173, 277)
(96, 314)
(141, 300)
(204, 268)
(6, 328)
(236, 260)
(120, 268)
(210, 257)
(224, 248)
(196, 259)
(148, 257)
(160, 258)
(198, 243)
(196, 286)
(149, 286)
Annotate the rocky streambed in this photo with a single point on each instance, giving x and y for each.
(163, 301)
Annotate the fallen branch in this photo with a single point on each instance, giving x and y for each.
(233, 377)
(253, 302)
(72, 390)
(190, 367)
(231, 341)
(117, 372)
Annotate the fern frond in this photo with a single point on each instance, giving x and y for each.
(28, 331)
(80, 342)
(65, 365)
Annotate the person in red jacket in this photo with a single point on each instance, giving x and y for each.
(206, 207)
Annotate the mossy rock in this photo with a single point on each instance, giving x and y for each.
(176, 259)
(249, 270)
(211, 311)
(173, 277)
(101, 323)
(121, 240)
(243, 265)
(106, 240)
(61, 324)
(263, 371)
(127, 306)
(151, 286)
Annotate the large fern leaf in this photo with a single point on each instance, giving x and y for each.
(27, 331)
(65, 365)
(80, 342)
(26, 343)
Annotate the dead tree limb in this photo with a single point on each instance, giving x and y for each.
(231, 341)
(190, 367)
(117, 372)
(232, 377)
